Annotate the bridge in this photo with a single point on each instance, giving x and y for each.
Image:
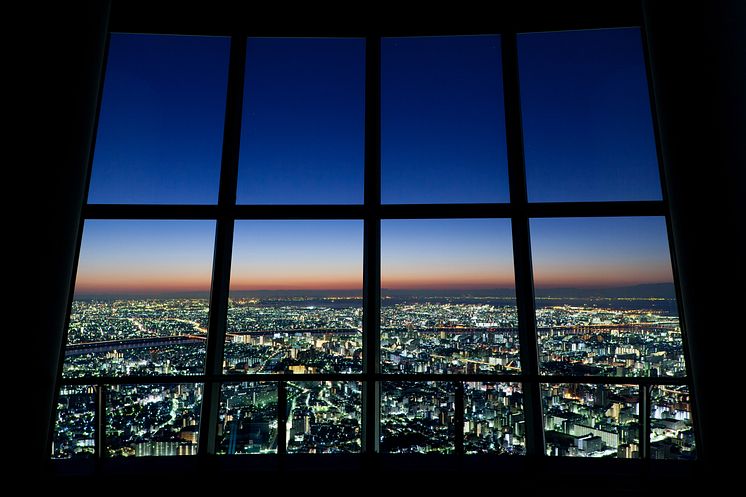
(312, 331)
(164, 341)
(574, 329)
(609, 328)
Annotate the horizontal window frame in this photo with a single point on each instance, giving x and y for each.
(637, 208)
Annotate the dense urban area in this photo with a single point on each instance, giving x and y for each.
(324, 335)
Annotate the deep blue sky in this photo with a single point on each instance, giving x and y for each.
(302, 138)
(442, 120)
(587, 131)
(587, 126)
(160, 130)
(587, 122)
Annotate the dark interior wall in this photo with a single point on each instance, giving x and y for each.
(698, 59)
(698, 64)
(69, 58)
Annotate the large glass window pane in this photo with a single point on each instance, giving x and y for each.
(324, 417)
(160, 130)
(247, 418)
(417, 417)
(74, 427)
(587, 126)
(672, 430)
(140, 304)
(447, 297)
(605, 299)
(296, 297)
(152, 420)
(493, 418)
(442, 120)
(303, 122)
(583, 420)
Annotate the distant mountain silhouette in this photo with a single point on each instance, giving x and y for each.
(449, 292)
(652, 290)
(297, 293)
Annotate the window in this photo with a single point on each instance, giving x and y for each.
(262, 272)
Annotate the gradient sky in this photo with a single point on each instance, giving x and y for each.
(291, 255)
(588, 137)
(600, 252)
(166, 256)
(446, 253)
(145, 256)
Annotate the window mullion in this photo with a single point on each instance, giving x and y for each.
(522, 247)
(99, 448)
(644, 418)
(372, 244)
(282, 417)
(459, 417)
(223, 245)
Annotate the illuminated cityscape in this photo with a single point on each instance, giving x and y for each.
(635, 340)
(324, 417)
(448, 335)
(591, 420)
(300, 335)
(247, 420)
(136, 337)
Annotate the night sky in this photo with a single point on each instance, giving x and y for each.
(303, 129)
(442, 121)
(587, 131)
(587, 127)
(160, 129)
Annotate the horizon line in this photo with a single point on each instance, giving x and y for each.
(349, 290)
